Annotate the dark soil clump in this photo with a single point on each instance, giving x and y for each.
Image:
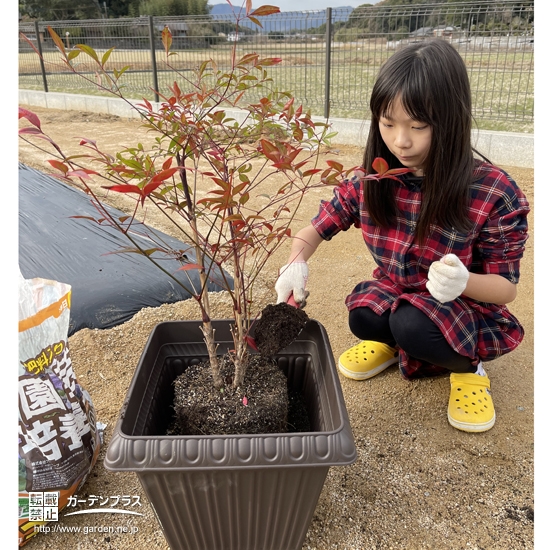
(259, 406)
(278, 326)
(263, 404)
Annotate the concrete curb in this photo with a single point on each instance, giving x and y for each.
(502, 148)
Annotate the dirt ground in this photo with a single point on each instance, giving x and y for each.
(418, 483)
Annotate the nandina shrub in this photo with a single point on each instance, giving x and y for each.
(209, 172)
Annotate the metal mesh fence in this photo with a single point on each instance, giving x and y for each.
(330, 58)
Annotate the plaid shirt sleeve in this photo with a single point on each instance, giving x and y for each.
(501, 209)
(342, 212)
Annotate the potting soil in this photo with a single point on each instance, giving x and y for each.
(259, 405)
(278, 326)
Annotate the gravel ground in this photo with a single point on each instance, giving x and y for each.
(417, 483)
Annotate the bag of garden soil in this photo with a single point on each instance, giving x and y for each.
(58, 437)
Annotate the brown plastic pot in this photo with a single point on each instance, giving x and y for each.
(231, 492)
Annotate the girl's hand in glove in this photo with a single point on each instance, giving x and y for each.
(447, 278)
(292, 280)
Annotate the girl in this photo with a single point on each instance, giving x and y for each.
(447, 238)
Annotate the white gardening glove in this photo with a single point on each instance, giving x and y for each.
(447, 278)
(292, 280)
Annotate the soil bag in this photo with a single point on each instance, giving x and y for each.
(59, 439)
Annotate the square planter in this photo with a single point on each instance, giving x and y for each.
(231, 492)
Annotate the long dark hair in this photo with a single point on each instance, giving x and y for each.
(431, 80)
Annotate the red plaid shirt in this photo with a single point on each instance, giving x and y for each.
(498, 210)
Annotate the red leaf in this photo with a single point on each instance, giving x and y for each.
(81, 173)
(398, 171)
(268, 61)
(30, 116)
(147, 105)
(59, 166)
(270, 150)
(149, 188)
(164, 175)
(336, 165)
(29, 130)
(251, 342)
(86, 141)
(84, 218)
(311, 172)
(380, 166)
(123, 188)
(288, 104)
(29, 42)
(264, 10)
(166, 38)
(177, 91)
(189, 266)
(56, 39)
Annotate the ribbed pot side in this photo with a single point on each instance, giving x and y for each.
(231, 492)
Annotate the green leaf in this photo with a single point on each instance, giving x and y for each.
(73, 54)
(131, 163)
(106, 56)
(118, 74)
(256, 21)
(88, 50)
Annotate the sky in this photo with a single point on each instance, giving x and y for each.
(302, 5)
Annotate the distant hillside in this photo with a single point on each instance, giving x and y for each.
(223, 9)
(286, 20)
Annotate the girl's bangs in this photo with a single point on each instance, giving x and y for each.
(417, 105)
(413, 97)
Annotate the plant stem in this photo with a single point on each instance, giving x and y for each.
(239, 333)
(203, 296)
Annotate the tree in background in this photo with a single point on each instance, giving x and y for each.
(56, 10)
(171, 7)
(120, 8)
(62, 10)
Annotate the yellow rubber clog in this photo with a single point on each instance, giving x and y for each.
(471, 406)
(367, 359)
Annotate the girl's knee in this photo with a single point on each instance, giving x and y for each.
(411, 328)
(367, 325)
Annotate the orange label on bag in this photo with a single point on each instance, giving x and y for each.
(53, 310)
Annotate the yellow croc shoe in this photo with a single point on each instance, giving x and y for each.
(471, 406)
(367, 359)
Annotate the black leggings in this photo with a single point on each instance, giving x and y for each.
(411, 330)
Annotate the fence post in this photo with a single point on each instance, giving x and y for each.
(328, 41)
(153, 57)
(39, 47)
